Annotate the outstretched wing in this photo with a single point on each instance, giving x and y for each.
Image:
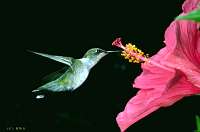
(62, 59)
(54, 75)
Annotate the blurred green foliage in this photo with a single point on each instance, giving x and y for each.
(198, 123)
(194, 16)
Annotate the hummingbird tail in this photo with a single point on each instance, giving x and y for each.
(38, 94)
(36, 90)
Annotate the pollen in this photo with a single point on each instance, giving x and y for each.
(133, 54)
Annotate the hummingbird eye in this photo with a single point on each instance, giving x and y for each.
(98, 51)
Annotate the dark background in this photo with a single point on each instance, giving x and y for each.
(70, 29)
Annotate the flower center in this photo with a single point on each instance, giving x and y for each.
(135, 55)
(131, 52)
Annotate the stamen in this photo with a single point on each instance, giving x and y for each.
(135, 55)
(131, 52)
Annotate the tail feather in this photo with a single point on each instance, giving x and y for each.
(36, 90)
(38, 93)
(40, 96)
(52, 86)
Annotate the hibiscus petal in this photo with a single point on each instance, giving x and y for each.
(170, 36)
(159, 86)
(185, 54)
(182, 38)
(187, 40)
(149, 100)
(190, 5)
(155, 77)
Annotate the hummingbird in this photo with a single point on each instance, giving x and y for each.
(76, 71)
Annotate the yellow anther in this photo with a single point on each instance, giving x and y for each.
(133, 54)
(126, 57)
(132, 58)
(123, 54)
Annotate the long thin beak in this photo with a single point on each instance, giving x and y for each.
(113, 51)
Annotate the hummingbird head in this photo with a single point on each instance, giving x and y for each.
(95, 54)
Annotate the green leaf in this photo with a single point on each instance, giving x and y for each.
(198, 123)
(194, 15)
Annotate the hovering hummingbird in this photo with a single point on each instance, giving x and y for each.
(75, 73)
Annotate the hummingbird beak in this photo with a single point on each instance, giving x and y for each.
(113, 51)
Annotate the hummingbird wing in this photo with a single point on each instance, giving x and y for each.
(54, 75)
(48, 78)
(62, 59)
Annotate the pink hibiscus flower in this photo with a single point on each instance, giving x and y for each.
(168, 76)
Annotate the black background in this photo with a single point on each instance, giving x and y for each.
(70, 29)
